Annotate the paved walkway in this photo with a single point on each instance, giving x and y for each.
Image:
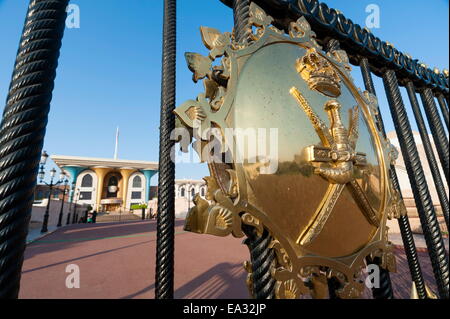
(419, 240)
(117, 260)
(35, 234)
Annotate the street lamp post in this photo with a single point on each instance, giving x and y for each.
(189, 201)
(41, 176)
(190, 197)
(72, 187)
(77, 194)
(62, 204)
(68, 216)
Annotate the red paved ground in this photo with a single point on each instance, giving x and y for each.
(117, 260)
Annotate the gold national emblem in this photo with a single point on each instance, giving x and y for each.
(326, 195)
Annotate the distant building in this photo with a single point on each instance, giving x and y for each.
(185, 190)
(402, 174)
(107, 184)
(41, 192)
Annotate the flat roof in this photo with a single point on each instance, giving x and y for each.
(192, 181)
(63, 160)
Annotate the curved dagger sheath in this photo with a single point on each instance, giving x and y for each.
(337, 149)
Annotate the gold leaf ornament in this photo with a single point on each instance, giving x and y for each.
(288, 289)
(258, 17)
(194, 114)
(215, 41)
(198, 64)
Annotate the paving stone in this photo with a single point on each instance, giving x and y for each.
(117, 260)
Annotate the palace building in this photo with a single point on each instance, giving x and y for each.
(185, 191)
(107, 184)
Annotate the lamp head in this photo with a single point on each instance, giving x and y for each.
(41, 174)
(52, 172)
(44, 157)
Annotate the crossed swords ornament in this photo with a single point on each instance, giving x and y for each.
(338, 154)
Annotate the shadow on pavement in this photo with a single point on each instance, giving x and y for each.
(222, 281)
(64, 262)
(68, 236)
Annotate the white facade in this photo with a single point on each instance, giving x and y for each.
(400, 168)
(86, 188)
(184, 193)
(185, 190)
(136, 189)
(86, 185)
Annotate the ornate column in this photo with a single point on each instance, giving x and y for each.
(73, 171)
(101, 172)
(148, 173)
(126, 173)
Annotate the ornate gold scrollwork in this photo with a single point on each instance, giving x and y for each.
(219, 218)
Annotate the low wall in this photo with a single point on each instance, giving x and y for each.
(416, 226)
(181, 207)
(38, 211)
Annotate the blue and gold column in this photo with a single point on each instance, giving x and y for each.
(148, 173)
(73, 171)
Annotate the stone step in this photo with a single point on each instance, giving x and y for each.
(117, 218)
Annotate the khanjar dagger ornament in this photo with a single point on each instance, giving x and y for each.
(337, 150)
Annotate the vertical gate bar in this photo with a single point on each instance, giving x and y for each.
(241, 18)
(262, 257)
(444, 109)
(428, 150)
(427, 214)
(385, 290)
(164, 277)
(403, 221)
(22, 132)
(440, 140)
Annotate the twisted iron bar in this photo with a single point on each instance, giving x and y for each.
(424, 204)
(333, 286)
(241, 16)
(262, 262)
(403, 221)
(22, 132)
(428, 150)
(332, 45)
(386, 291)
(412, 257)
(444, 108)
(437, 130)
(262, 257)
(164, 277)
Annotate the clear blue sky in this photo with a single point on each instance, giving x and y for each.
(110, 69)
